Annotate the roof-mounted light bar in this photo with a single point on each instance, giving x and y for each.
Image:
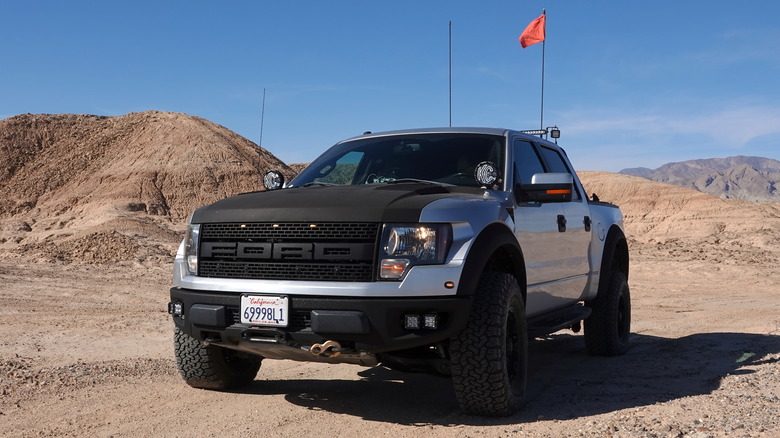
(553, 131)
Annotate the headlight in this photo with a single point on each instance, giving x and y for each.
(406, 245)
(191, 241)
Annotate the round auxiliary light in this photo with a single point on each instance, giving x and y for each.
(273, 180)
(486, 173)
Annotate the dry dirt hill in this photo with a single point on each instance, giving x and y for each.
(298, 167)
(84, 187)
(691, 225)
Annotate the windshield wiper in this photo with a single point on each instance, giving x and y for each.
(318, 183)
(413, 180)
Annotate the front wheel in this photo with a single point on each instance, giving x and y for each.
(490, 356)
(608, 327)
(212, 367)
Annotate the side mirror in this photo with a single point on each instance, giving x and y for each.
(273, 179)
(546, 187)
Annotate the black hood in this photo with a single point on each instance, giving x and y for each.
(399, 202)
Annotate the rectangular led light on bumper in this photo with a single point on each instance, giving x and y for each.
(414, 321)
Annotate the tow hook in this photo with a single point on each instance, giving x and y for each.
(328, 349)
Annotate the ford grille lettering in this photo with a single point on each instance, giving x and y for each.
(286, 251)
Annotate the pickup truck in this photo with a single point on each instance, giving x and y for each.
(429, 250)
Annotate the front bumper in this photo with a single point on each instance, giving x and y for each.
(367, 325)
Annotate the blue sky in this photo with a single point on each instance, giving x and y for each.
(629, 83)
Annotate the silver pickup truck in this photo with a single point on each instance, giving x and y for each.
(438, 250)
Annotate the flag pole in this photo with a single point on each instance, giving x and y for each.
(544, 43)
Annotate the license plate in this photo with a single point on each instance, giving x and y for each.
(264, 310)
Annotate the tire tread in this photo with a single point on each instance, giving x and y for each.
(602, 337)
(212, 367)
(478, 354)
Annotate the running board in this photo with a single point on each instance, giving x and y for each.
(557, 320)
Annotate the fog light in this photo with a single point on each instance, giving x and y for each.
(431, 321)
(412, 322)
(176, 309)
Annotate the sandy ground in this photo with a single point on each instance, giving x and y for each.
(86, 350)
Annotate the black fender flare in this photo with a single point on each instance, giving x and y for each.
(614, 257)
(495, 248)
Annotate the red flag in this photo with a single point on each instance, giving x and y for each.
(534, 33)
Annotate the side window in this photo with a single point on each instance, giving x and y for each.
(527, 163)
(554, 160)
(557, 165)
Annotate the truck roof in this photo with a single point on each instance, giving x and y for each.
(451, 130)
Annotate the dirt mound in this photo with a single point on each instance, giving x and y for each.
(65, 175)
(689, 224)
(298, 167)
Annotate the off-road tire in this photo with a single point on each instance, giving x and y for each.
(608, 327)
(212, 367)
(490, 356)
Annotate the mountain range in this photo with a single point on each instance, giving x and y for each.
(740, 177)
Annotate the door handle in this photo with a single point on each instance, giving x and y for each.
(561, 223)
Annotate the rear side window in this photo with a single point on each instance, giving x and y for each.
(554, 160)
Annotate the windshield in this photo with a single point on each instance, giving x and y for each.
(439, 158)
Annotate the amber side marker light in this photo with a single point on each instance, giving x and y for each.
(558, 192)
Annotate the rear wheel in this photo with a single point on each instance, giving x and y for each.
(490, 356)
(212, 367)
(608, 327)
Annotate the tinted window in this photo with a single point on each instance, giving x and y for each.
(557, 165)
(527, 163)
(554, 160)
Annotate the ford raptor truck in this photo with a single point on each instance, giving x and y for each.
(438, 250)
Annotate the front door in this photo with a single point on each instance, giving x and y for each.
(552, 236)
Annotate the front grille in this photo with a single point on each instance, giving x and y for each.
(289, 251)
